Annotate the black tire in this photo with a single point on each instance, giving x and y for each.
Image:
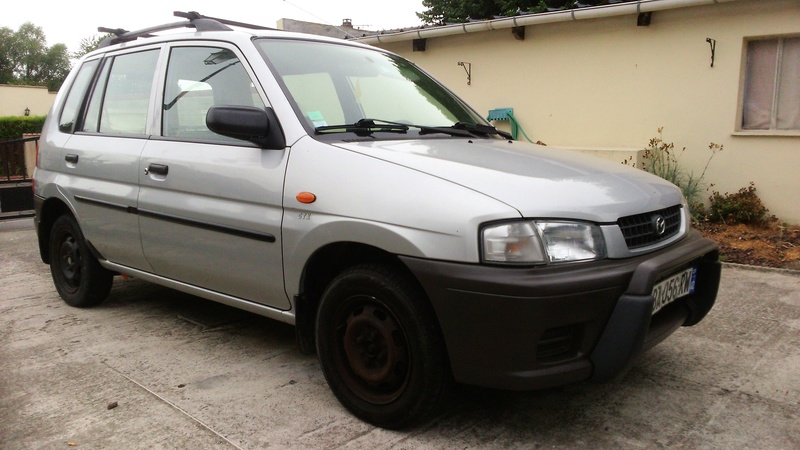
(380, 347)
(79, 278)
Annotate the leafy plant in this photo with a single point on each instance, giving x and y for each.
(662, 159)
(741, 207)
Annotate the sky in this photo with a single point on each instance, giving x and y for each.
(68, 22)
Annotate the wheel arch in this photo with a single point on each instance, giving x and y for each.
(319, 271)
(51, 209)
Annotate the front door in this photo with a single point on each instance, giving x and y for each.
(210, 207)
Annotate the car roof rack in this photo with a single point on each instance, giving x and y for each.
(195, 20)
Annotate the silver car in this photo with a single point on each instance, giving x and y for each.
(339, 188)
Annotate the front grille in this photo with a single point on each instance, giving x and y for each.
(641, 230)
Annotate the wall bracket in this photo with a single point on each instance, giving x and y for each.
(713, 44)
(467, 68)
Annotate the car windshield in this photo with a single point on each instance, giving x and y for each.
(341, 88)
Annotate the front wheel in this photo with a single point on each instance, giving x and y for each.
(380, 346)
(79, 278)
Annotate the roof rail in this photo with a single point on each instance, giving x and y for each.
(194, 15)
(196, 21)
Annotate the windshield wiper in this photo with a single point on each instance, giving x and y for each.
(463, 129)
(425, 129)
(477, 128)
(364, 127)
(368, 126)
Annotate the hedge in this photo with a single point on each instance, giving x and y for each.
(13, 127)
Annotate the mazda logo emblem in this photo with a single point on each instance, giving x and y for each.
(659, 225)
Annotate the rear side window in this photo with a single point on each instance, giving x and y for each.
(121, 97)
(75, 97)
(197, 79)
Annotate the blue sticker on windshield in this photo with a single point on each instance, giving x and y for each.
(317, 118)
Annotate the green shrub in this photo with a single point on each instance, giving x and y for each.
(661, 159)
(13, 127)
(742, 207)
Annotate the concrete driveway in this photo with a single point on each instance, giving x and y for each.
(154, 368)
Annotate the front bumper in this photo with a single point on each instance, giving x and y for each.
(531, 328)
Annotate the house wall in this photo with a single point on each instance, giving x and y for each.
(609, 84)
(14, 99)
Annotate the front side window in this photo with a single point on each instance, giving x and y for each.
(121, 96)
(771, 99)
(333, 84)
(197, 79)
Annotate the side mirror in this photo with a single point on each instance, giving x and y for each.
(259, 126)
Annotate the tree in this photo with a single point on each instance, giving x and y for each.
(89, 44)
(55, 66)
(458, 11)
(28, 49)
(6, 61)
(26, 59)
(444, 11)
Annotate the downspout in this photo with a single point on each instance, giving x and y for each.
(594, 12)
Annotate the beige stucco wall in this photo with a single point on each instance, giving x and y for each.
(606, 83)
(14, 99)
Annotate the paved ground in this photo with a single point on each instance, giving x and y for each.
(188, 373)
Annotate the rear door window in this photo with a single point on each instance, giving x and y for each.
(121, 97)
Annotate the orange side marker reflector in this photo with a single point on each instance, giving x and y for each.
(306, 197)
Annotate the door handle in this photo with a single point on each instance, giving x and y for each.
(71, 158)
(157, 169)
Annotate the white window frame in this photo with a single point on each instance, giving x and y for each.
(773, 129)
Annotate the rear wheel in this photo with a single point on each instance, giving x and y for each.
(380, 347)
(79, 278)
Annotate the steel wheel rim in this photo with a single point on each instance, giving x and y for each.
(372, 348)
(69, 263)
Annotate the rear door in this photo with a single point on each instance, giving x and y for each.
(210, 207)
(100, 159)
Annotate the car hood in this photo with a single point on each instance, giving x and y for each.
(538, 181)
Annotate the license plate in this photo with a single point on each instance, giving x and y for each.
(673, 288)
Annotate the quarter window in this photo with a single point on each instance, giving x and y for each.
(75, 97)
(772, 86)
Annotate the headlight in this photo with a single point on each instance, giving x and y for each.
(572, 241)
(542, 242)
(513, 242)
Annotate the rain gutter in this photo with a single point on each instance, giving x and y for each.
(593, 12)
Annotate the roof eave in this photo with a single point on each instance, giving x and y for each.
(593, 12)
